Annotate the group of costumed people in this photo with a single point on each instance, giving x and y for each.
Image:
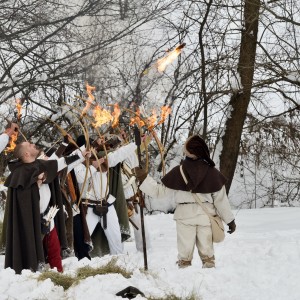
(77, 200)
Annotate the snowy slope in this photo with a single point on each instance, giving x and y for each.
(260, 261)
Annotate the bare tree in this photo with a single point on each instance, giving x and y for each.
(239, 58)
(240, 100)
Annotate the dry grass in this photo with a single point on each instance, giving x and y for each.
(110, 268)
(66, 281)
(58, 279)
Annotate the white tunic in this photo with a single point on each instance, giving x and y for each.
(187, 206)
(129, 184)
(44, 189)
(4, 139)
(130, 188)
(96, 188)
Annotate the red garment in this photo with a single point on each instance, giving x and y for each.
(52, 248)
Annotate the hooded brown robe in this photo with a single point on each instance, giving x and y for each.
(24, 247)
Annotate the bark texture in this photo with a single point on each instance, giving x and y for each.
(240, 100)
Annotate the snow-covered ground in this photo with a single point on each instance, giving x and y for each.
(260, 261)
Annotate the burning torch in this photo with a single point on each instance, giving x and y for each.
(15, 125)
(161, 64)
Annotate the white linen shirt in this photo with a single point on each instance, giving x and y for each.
(187, 207)
(96, 187)
(4, 139)
(129, 183)
(44, 189)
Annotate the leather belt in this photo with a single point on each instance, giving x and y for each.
(92, 203)
(89, 201)
(100, 208)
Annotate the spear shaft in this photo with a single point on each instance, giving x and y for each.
(137, 136)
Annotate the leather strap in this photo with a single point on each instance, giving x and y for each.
(196, 197)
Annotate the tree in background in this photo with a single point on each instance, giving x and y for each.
(269, 165)
(240, 59)
(240, 99)
(49, 49)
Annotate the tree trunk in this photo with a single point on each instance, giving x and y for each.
(240, 100)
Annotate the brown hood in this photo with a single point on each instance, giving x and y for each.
(202, 178)
(23, 175)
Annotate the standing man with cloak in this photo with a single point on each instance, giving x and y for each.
(205, 184)
(24, 246)
(4, 139)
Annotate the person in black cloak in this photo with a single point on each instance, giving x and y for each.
(204, 183)
(24, 245)
(4, 140)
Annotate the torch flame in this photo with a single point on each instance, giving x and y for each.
(89, 90)
(116, 114)
(102, 116)
(162, 63)
(13, 138)
(137, 120)
(19, 107)
(12, 143)
(152, 120)
(165, 111)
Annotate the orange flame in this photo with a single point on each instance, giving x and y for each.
(102, 116)
(137, 120)
(165, 111)
(12, 143)
(13, 138)
(116, 114)
(162, 63)
(152, 120)
(89, 90)
(19, 108)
